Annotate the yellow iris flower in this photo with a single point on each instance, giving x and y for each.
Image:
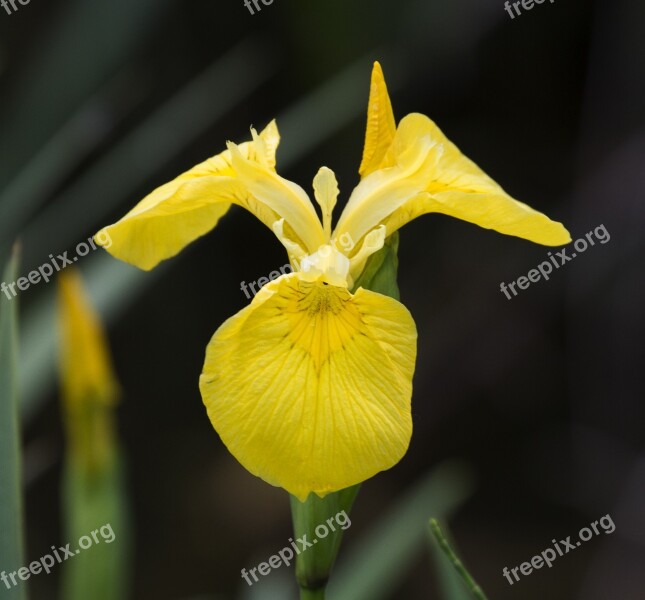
(89, 387)
(310, 385)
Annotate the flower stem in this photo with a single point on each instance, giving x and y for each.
(318, 594)
(318, 530)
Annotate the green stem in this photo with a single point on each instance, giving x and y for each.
(318, 525)
(474, 588)
(318, 594)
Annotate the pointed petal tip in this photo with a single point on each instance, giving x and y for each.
(103, 238)
(564, 238)
(378, 77)
(381, 125)
(554, 235)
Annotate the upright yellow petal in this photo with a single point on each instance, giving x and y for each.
(309, 386)
(385, 190)
(431, 175)
(381, 125)
(89, 387)
(179, 212)
(326, 193)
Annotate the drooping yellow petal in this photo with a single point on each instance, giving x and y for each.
(309, 386)
(89, 387)
(285, 198)
(177, 213)
(381, 125)
(432, 175)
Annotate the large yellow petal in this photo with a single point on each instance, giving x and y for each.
(309, 386)
(177, 213)
(381, 125)
(430, 174)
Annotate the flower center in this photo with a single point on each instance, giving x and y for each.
(328, 264)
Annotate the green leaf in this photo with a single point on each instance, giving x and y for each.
(380, 272)
(381, 559)
(448, 561)
(91, 502)
(11, 510)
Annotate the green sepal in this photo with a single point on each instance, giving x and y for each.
(380, 272)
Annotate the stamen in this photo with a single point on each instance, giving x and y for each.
(326, 193)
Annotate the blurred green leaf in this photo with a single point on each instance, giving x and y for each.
(11, 510)
(456, 582)
(94, 502)
(83, 51)
(377, 564)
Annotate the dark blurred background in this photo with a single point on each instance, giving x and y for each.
(539, 398)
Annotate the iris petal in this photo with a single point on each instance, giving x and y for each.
(309, 386)
(179, 212)
(85, 357)
(430, 174)
(285, 198)
(381, 125)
